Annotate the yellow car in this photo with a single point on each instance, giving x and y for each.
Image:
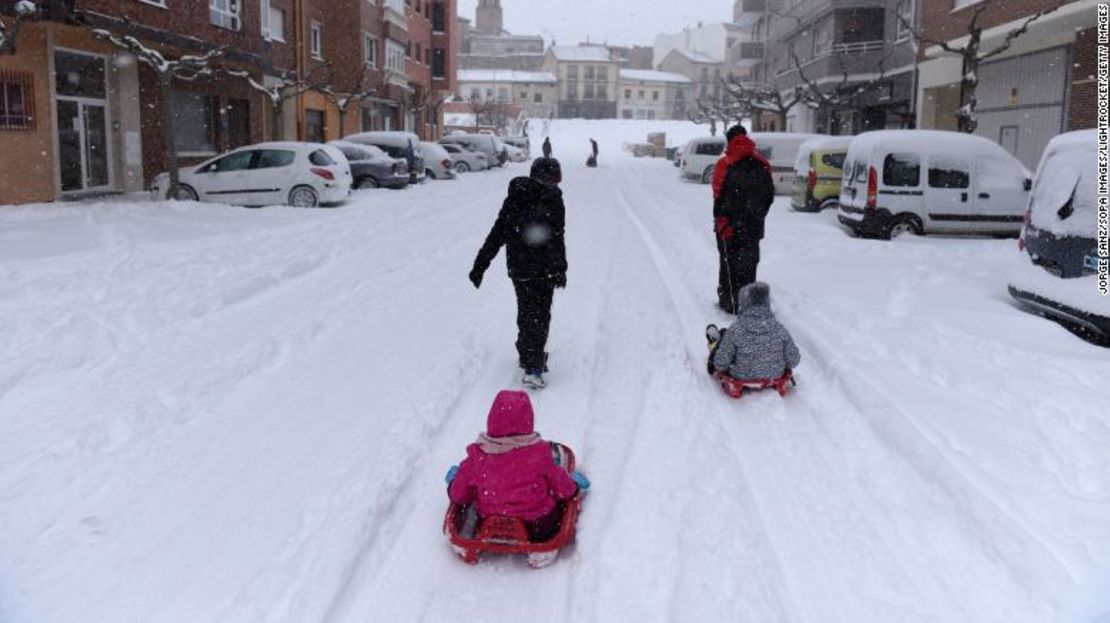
(818, 170)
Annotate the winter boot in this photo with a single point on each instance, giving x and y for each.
(533, 379)
(713, 336)
(539, 560)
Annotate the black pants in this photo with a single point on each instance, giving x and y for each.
(533, 320)
(545, 528)
(739, 259)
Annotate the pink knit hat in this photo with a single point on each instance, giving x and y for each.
(511, 414)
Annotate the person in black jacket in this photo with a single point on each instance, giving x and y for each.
(745, 191)
(530, 225)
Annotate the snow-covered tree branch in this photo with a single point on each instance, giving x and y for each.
(847, 90)
(25, 11)
(288, 86)
(342, 100)
(765, 98)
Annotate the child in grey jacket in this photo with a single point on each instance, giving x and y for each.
(756, 346)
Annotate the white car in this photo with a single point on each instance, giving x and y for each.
(297, 174)
(466, 159)
(437, 162)
(931, 181)
(516, 154)
(701, 156)
(781, 150)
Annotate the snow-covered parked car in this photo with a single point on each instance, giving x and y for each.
(1060, 239)
(522, 143)
(405, 145)
(818, 169)
(515, 153)
(931, 181)
(487, 144)
(298, 174)
(438, 162)
(700, 156)
(466, 159)
(781, 150)
(373, 168)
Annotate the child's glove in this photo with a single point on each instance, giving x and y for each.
(580, 479)
(451, 473)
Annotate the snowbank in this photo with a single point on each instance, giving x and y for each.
(572, 136)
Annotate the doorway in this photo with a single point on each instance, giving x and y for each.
(84, 159)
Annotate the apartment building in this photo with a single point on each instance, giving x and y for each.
(588, 76)
(704, 72)
(485, 44)
(534, 92)
(82, 117)
(835, 44)
(649, 94)
(1041, 86)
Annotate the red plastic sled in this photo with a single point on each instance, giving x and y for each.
(736, 387)
(472, 536)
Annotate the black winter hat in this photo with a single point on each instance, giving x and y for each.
(547, 170)
(756, 294)
(734, 131)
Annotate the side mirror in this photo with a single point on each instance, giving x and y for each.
(1028, 185)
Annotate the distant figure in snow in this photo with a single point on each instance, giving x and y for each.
(530, 225)
(592, 160)
(756, 346)
(743, 191)
(547, 147)
(510, 471)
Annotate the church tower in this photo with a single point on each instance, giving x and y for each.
(490, 20)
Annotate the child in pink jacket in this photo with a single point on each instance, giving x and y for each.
(510, 470)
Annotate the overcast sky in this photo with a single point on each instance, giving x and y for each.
(619, 22)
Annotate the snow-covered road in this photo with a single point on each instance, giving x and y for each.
(218, 414)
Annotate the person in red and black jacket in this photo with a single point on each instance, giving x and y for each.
(743, 191)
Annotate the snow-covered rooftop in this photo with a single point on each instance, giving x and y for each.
(581, 53)
(698, 57)
(505, 75)
(648, 75)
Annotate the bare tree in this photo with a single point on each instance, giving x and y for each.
(845, 92)
(490, 112)
(760, 98)
(718, 107)
(289, 86)
(185, 68)
(972, 54)
(342, 100)
(25, 11)
(427, 101)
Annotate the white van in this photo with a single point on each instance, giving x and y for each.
(781, 149)
(931, 181)
(700, 156)
(404, 145)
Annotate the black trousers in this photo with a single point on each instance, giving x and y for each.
(739, 260)
(533, 320)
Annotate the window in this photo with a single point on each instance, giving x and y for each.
(78, 75)
(572, 72)
(17, 101)
(710, 148)
(321, 158)
(902, 170)
(589, 72)
(394, 56)
(274, 158)
(655, 96)
(537, 97)
(588, 93)
(439, 63)
(224, 13)
(370, 50)
(603, 73)
(523, 96)
(835, 161)
(277, 25)
(194, 128)
(572, 90)
(628, 94)
(602, 91)
(398, 6)
(238, 161)
(439, 17)
(314, 125)
(949, 173)
(475, 94)
(316, 40)
(640, 94)
(502, 94)
(238, 123)
(904, 15)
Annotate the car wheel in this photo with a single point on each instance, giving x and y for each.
(367, 183)
(186, 193)
(303, 197)
(902, 224)
(707, 176)
(829, 204)
(462, 167)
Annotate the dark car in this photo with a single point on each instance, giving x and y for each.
(373, 168)
(1060, 238)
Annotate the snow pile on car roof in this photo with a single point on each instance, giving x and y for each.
(1064, 199)
(801, 163)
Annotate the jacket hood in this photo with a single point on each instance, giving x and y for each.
(529, 188)
(740, 147)
(757, 294)
(755, 309)
(511, 414)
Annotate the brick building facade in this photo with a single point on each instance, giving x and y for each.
(90, 117)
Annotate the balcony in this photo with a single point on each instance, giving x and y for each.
(858, 47)
(748, 12)
(746, 54)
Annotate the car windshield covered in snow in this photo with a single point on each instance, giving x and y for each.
(1064, 196)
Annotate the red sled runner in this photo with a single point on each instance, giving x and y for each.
(471, 535)
(736, 387)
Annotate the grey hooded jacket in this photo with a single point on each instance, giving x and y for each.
(756, 346)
